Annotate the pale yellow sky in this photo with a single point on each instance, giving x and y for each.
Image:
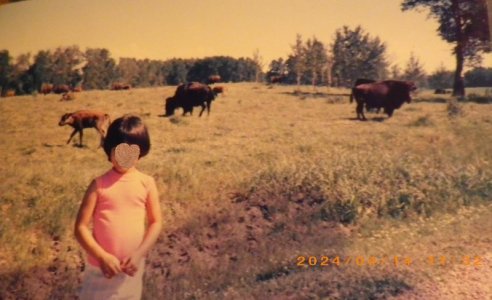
(162, 29)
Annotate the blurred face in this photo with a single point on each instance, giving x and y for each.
(116, 165)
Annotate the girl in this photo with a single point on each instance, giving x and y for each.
(117, 203)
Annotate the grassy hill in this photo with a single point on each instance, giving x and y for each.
(262, 196)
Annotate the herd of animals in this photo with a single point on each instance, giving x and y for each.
(369, 94)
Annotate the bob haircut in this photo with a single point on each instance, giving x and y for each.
(127, 129)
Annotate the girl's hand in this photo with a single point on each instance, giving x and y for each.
(130, 264)
(110, 265)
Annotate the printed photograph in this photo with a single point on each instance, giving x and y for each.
(246, 149)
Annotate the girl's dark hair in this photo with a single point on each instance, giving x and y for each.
(127, 129)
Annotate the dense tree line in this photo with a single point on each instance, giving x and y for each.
(96, 69)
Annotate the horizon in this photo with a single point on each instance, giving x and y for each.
(191, 29)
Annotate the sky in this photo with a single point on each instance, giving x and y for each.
(164, 29)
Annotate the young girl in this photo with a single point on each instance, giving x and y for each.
(117, 203)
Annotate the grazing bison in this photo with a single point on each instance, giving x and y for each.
(213, 79)
(187, 96)
(67, 96)
(277, 78)
(120, 86)
(86, 119)
(46, 88)
(389, 94)
(61, 89)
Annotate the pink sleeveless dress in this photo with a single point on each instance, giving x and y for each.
(119, 227)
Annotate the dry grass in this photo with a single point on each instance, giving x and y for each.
(269, 175)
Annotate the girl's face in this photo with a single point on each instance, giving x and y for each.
(116, 166)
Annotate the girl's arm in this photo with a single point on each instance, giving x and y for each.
(153, 207)
(110, 265)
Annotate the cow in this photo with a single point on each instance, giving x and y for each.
(187, 96)
(213, 79)
(388, 94)
(86, 119)
(67, 96)
(61, 89)
(120, 86)
(46, 88)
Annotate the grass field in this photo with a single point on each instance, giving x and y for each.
(271, 176)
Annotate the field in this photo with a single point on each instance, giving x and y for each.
(272, 175)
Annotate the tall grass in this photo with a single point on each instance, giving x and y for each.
(288, 165)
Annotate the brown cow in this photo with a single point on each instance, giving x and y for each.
(213, 79)
(61, 89)
(46, 88)
(67, 96)
(86, 119)
(120, 86)
(389, 94)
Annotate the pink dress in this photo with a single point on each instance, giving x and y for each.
(119, 227)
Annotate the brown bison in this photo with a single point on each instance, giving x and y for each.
(86, 119)
(388, 94)
(277, 78)
(9, 93)
(120, 86)
(362, 81)
(213, 79)
(67, 96)
(61, 89)
(187, 96)
(46, 88)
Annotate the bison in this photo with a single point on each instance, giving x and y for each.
(213, 79)
(61, 89)
(388, 94)
(188, 95)
(46, 88)
(120, 86)
(67, 96)
(86, 119)
(363, 81)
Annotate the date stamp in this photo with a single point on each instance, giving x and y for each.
(394, 260)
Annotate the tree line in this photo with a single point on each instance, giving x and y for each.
(94, 68)
(352, 54)
(356, 54)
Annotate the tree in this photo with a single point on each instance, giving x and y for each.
(415, 72)
(5, 71)
(479, 77)
(297, 61)
(41, 70)
(462, 22)
(316, 60)
(357, 55)
(441, 78)
(258, 60)
(100, 69)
